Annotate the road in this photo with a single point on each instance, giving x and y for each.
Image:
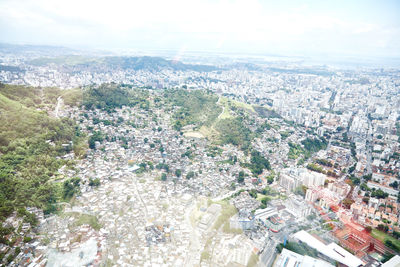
(369, 148)
(269, 254)
(223, 108)
(194, 246)
(216, 199)
(135, 179)
(59, 102)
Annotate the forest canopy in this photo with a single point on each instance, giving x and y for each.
(30, 148)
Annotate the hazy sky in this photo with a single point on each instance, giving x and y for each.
(318, 27)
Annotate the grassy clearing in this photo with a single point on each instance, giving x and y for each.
(228, 104)
(226, 109)
(72, 96)
(383, 236)
(243, 105)
(260, 196)
(225, 114)
(209, 132)
(81, 219)
(194, 134)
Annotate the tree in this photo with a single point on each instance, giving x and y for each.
(96, 136)
(265, 200)
(151, 165)
(258, 163)
(387, 256)
(300, 190)
(379, 194)
(94, 182)
(395, 184)
(178, 173)
(253, 193)
(381, 227)
(347, 202)
(190, 175)
(396, 234)
(391, 245)
(367, 177)
(70, 187)
(163, 177)
(368, 229)
(241, 177)
(177, 125)
(355, 180)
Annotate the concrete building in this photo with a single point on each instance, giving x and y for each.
(289, 258)
(297, 206)
(384, 188)
(294, 177)
(242, 220)
(332, 251)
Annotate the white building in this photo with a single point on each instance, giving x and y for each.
(289, 258)
(294, 177)
(333, 251)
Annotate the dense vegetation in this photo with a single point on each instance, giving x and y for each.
(266, 113)
(390, 241)
(309, 146)
(30, 96)
(258, 163)
(312, 145)
(202, 109)
(111, 96)
(233, 131)
(300, 248)
(31, 144)
(74, 62)
(195, 107)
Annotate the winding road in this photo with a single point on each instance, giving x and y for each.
(57, 109)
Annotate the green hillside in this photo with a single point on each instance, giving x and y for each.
(30, 141)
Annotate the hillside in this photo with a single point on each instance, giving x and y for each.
(31, 143)
(204, 114)
(71, 63)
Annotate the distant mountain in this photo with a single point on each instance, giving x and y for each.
(245, 66)
(10, 68)
(314, 71)
(73, 60)
(153, 63)
(35, 50)
(96, 64)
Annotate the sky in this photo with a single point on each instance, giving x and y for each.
(363, 28)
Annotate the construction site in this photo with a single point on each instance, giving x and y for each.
(360, 242)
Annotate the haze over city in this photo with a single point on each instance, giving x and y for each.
(199, 133)
(293, 28)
